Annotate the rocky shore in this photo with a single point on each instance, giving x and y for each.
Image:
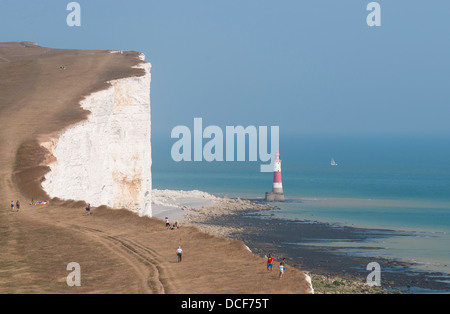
(242, 219)
(204, 217)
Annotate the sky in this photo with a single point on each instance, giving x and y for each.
(310, 67)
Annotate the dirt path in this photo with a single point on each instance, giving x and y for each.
(118, 251)
(37, 97)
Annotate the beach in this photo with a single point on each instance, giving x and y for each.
(304, 243)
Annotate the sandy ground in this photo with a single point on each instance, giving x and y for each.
(118, 251)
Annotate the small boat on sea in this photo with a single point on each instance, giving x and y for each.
(333, 162)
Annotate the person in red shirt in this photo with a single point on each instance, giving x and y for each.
(270, 262)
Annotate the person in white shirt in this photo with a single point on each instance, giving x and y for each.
(179, 253)
(167, 223)
(281, 270)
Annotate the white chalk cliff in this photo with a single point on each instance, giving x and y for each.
(106, 159)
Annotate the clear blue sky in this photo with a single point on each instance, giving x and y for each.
(310, 67)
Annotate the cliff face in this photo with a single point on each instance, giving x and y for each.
(106, 159)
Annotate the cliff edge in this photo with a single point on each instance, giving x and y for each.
(106, 159)
(42, 91)
(87, 124)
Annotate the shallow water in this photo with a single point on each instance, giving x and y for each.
(400, 184)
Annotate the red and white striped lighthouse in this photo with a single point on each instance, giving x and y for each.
(277, 186)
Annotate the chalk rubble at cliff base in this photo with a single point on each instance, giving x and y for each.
(196, 207)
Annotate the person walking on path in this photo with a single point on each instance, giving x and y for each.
(12, 205)
(270, 262)
(283, 262)
(179, 253)
(88, 209)
(167, 223)
(281, 270)
(18, 205)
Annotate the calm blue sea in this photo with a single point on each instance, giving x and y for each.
(400, 183)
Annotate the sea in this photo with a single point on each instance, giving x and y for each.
(399, 183)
